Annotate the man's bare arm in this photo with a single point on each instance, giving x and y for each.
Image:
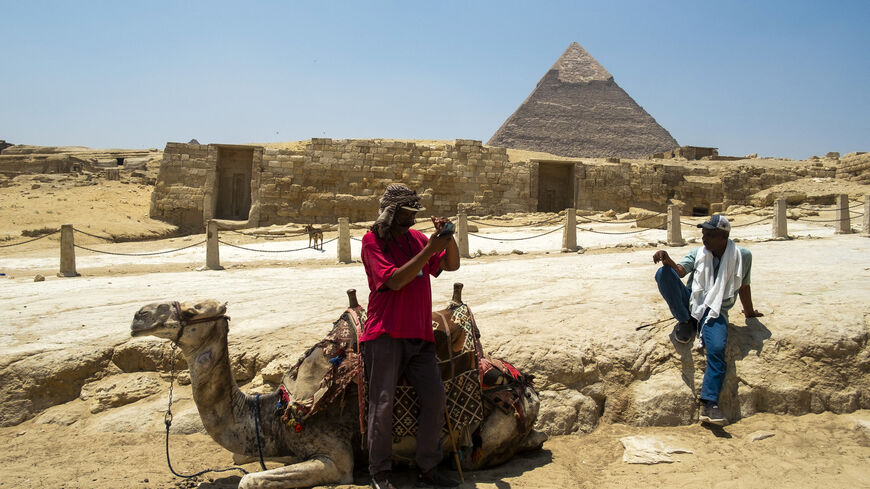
(745, 294)
(450, 261)
(409, 270)
(662, 256)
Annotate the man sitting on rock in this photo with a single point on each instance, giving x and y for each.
(718, 274)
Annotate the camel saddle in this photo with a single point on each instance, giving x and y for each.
(324, 372)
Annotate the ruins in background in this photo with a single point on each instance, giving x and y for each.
(325, 179)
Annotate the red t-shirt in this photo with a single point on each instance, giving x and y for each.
(403, 313)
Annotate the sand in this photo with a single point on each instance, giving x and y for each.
(270, 293)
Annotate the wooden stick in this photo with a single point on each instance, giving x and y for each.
(453, 441)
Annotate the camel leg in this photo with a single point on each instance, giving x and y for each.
(318, 471)
(533, 441)
(240, 459)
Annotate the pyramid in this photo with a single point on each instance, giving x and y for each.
(578, 110)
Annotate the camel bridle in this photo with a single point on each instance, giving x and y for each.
(186, 322)
(167, 418)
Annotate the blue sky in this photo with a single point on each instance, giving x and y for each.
(778, 78)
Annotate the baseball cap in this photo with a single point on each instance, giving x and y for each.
(716, 221)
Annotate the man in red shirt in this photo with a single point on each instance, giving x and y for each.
(398, 338)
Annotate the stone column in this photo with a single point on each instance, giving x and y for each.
(844, 225)
(212, 248)
(675, 230)
(344, 240)
(462, 235)
(779, 226)
(867, 215)
(67, 252)
(569, 234)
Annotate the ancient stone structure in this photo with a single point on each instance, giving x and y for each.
(689, 153)
(702, 189)
(327, 179)
(324, 179)
(28, 160)
(578, 110)
(855, 167)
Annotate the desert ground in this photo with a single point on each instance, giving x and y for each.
(530, 301)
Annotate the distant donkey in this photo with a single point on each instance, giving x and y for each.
(315, 235)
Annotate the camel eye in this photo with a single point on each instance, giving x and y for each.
(142, 315)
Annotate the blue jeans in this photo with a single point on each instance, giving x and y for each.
(714, 333)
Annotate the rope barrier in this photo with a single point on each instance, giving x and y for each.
(616, 232)
(751, 223)
(517, 239)
(828, 220)
(274, 251)
(30, 240)
(264, 235)
(139, 254)
(548, 221)
(634, 221)
(93, 235)
(356, 239)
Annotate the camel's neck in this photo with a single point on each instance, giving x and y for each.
(227, 413)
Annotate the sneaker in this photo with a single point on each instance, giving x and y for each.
(684, 331)
(433, 478)
(710, 413)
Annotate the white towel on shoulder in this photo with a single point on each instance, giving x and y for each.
(708, 291)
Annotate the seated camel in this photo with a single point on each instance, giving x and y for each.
(316, 428)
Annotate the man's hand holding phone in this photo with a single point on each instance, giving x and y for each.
(444, 230)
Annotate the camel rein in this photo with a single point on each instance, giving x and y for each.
(167, 419)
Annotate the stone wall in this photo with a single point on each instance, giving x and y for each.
(325, 179)
(653, 185)
(13, 165)
(329, 178)
(179, 194)
(855, 167)
(33, 160)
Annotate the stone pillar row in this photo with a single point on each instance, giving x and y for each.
(779, 230)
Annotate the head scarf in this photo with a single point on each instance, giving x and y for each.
(396, 195)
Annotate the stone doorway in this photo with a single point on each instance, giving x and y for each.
(234, 167)
(555, 186)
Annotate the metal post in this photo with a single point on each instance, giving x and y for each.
(844, 225)
(67, 252)
(569, 234)
(867, 215)
(462, 235)
(344, 240)
(779, 226)
(212, 248)
(675, 230)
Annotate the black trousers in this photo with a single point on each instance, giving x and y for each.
(386, 359)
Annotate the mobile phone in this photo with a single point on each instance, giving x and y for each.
(447, 230)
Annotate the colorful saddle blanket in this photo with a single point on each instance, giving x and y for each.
(326, 370)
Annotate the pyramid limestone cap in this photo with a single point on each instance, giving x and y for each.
(577, 66)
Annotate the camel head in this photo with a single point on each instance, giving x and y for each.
(186, 323)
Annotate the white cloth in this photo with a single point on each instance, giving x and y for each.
(708, 290)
